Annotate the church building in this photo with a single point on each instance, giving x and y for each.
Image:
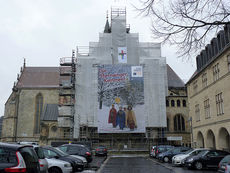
(73, 102)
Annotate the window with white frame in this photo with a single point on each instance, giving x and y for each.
(207, 109)
(197, 112)
(195, 86)
(204, 80)
(219, 104)
(216, 72)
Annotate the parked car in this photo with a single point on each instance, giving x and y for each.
(83, 159)
(101, 151)
(227, 168)
(205, 159)
(162, 148)
(51, 152)
(58, 166)
(178, 159)
(152, 151)
(77, 149)
(18, 158)
(223, 163)
(41, 158)
(167, 156)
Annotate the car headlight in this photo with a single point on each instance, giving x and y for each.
(67, 165)
(190, 160)
(79, 163)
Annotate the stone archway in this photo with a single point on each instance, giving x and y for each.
(224, 139)
(211, 141)
(200, 140)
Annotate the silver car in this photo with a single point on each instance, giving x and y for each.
(178, 159)
(43, 162)
(58, 166)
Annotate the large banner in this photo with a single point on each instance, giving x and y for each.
(121, 99)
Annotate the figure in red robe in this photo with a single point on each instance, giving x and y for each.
(113, 116)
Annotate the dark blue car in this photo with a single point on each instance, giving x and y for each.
(168, 155)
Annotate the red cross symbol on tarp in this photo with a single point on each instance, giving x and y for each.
(122, 54)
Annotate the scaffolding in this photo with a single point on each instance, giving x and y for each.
(67, 96)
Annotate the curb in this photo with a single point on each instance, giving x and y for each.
(162, 164)
(103, 164)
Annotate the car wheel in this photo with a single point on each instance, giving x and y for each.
(198, 165)
(54, 170)
(166, 159)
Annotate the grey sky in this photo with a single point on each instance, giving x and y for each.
(43, 31)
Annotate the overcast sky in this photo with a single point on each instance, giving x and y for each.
(42, 31)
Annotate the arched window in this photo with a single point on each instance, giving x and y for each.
(167, 103)
(167, 124)
(179, 124)
(38, 113)
(184, 103)
(178, 103)
(172, 103)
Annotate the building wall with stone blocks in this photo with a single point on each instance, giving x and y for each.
(27, 108)
(9, 119)
(180, 107)
(209, 103)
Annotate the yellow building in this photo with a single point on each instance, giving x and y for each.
(209, 94)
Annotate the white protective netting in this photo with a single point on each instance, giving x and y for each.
(105, 51)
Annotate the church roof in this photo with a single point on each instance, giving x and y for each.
(39, 77)
(50, 112)
(48, 77)
(173, 79)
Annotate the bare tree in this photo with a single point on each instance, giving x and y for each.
(187, 24)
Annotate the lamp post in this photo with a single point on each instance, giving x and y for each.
(190, 120)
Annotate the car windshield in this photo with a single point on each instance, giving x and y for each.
(189, 151)
(60, 152)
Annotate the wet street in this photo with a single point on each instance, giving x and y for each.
(142, 165)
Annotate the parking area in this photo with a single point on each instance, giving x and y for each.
(137, 164)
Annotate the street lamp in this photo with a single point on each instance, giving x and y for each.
(190, 120)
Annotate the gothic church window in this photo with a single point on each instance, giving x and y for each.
(38, 113)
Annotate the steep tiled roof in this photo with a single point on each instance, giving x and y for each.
(173, 79)
(39, 77)
(48, 77)
(50, 113)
